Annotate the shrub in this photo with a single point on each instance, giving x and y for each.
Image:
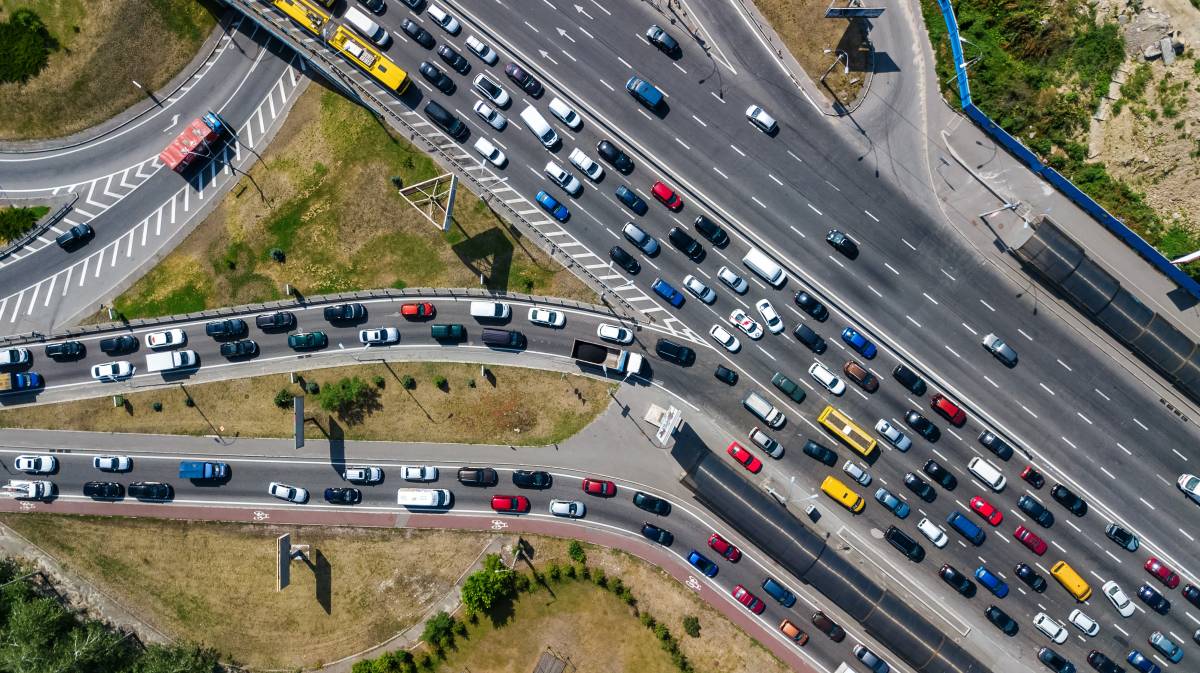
(617, 586)
(408, 382)
(312, 388)
(600, 579)
(344, 396)
(14, 222)
(646, 620)
(570, 572)
(691, 626)
(188, 401)
(576, 552)
(554, 572)
(157, 406)
(522, 583)
(283, 398)
(378, 381)
(440, 382)
(439, 629)
(470, 383)
(661, 631)
(278, 256)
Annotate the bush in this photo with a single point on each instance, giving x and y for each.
(25, 46)
(470, 383)
(188, 401)
(646, 620)
(522, 583)
(576, 552)
(599, 578)
(617, 586)
(157, 406)
(570, 572)
(661, 631)
(691, 626)
(312, 388)
(408, 382)
(283, 398)
(440, 629)
(484, 588)
(278, 256)
(378, 381)
(344, 396)
(440, 382)
(554, 572)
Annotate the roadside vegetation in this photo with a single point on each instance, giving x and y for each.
(14, 222)
(806, 33)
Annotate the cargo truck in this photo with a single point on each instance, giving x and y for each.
(194, 141)
(161, 362)
(203, 470)
(14, 382)
(621, 361)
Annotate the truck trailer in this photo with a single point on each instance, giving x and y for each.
(615, 359)
(193, 142)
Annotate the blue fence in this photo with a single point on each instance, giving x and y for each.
(1076, 195)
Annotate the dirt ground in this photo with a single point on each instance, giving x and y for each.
(807, 33)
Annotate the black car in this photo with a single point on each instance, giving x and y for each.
(67, 350)
(279, 321)
(656, 534)
(103, 490)
(376, 6)
(453, 59)
(829, 627)
(1036, 511)
(919, 486)
(531, 479)
(345, 312)
(811, 306)
(940, 474)
(998, 446)
(959, 581)
(523, 79)
(417, 33)
(1055, 661)
(1031, 577)
(150, 490)
(1102, 663)
(673, 352)
(909, 379)
(75, 236)
(1001, 620)
(907, 546)
(686, 244)
(1066, 498)
(1192, 593)
(821, 453)
(343, 496)
(614, 156)
(230, 328)
(711, 231)
(477, 476)
(242, 348)
(922, 425)
(119, 345)
(1155, 600)
(1033, 477)
(1123, 537)
(651, 504)
(443, 119)
(806, 336)
(842, 243)
(436, 77)
(726, 374)
(624, 259)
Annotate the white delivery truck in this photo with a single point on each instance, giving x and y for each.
(163, 362)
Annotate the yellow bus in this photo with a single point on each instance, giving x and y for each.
(1071, 581)
(368, 58)
(308, 15)
(834, 488)
(851, 435)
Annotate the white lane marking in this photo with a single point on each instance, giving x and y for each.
(775, 179)
(685, 146)
(910, 319)
(814, 209)
(735, 149)
(1146, 503)
(1122, 447)
(797, 231)
(910, 245)
(870, 215)
(1110, 475)
(1022, 332)
(935, 302)
(1106, 397)
(719, 172)
(1064, 365)
(994, 385)
(1185, 533)
(969, 329)
(987, 305)
(1180, 455)
(1089, 421)
(610, 88)
(890, 268)
(755, 199)
(835, 261)
(1069, 442)
(1028, 411)
(1143, 426)
(952, 351)
(714, 95)
(699, 121)
(872, 288)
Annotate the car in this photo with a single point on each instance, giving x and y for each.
(842, 243)
(639, 238)
(684, 242)
(565, 114)
(170, 338)
(739, 319)
(279, 321)
(860, 375)
(793, 632)
(417, 310)
(531, 479)
(857, 473)
(769, 315)
(1055, 661)
(905, 544)
(112, 371)
(919, 486)
(242, 348)
(759, 117)
(665, 290)
(1033, 477)
(806, 336)
(494, 156)
(75, 237)
(948, 410)
(452, 58)
(998, 446)
(1081, 621)
(289, 493)
(419, 473)
(909, 379)
(1192, 593)
(662, 39)
(1030, 540)
(523, 79)
(700, 562)
(1066, 498)
(631, 200)
(666, 196)
(1001, 620)
(859, 343)
(985, 509)
(957, 580)
(609, 152)
(829, 627)
(711, 231)
(345, 312)
(363, 475)
(484, 52)
(933, 532)
(624, 259)
(1035, 510)
(307, 340)
(651, 503)
(889, 432)
(826, 378)
(726, 375)
(1102, 663)
(656, 534)
(1030, 576)
(586, 165)
(417, 33)
(811, 306)
(753, 603)
(443, 19)
(112, 463)
(547, 317)
(1125, 538)
(563, 178)
(747, 459)
(614, 333)
(1155, 600)
(436, 77)
(991, 582)
(723, 337)
(788, 387)
(571, 509)
(477, 476)
(150, 490)
(1167, 646)
(552, 206)
(734, 281)
(490, 115)
(343, 495)
(379, 336)
(673, 352)
(513, 504)
(1113, 592)
(1141, 663)
(599, 487)
(1190, 485)
(697, 287)
(66, 350)
(922, 425)
(870, 659)
(103, 490)
(118, 345)
(891, 503)
(821, 454)
(35, 464)
(1162, 572)
(1000, 350)
(779, 592)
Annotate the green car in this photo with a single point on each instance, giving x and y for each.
(307, 340)
(789, 387)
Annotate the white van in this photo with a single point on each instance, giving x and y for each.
(370, 30)
(161, 362)
(987, 473)
(766, 412)
(539, 126)
(765, 267)
(490, 310)
(424, 497)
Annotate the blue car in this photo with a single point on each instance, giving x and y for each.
(552, 206)
(993, 583)
(663, 289)
(892, 503)
(702, 564)
(1142, 663)
(859, 343)
(632, 200)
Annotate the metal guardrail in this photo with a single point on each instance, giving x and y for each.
(40, 228)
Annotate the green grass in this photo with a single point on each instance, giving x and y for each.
(14, 222)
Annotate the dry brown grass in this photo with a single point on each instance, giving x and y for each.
(526, 407)
(807, 33)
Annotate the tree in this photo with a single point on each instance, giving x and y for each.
(439, 630)
(485, 588)
(185, 658)
(344, 395)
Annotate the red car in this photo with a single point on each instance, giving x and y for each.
(949, 410)
(1162, 572)
(510, 503)
(604, 489)
(747, 459)
(722, 547)
(1027, 538)
(417, 311)
(984, 509)
(752, 602)
(667, 196)
(1032, 476)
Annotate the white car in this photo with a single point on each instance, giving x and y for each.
(585, 164)
(363, 475)
(890, 433)
(442, 18)
(1054, 630)
(112, 463)
(112, 371)
(723, 337)
(740, 320)
(418, 473)
(733, 280)
(547, 317)
(857, 473)
(1118, 598)
(770, 316)
(934, 532)
(1190, 485)
(492, 91)
(565, 114)
(563, 178)
(703, 292)
(763, 441)
(379, 335)
(572, 509)
(490, 152)
(1084, 623)
(289, 493)
(14, 356)
(759, 117)
(490, 115)
(484, 52)
(36, 464)
(827, 378)
(166, 339)
(614, 333)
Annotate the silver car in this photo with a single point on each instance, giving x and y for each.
(572, 509)
(890, 433)
(363, 475)
(289, 493)
(112, 463)
(733, 280)
(1001, 350)
(645, 242)
(870, 659)
(421, 473)
(562, 178)
(857, 473)
(490, 115)
(703, 292)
